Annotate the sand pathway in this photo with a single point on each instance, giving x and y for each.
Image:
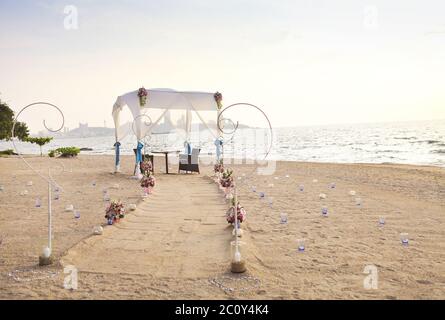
(179, 231)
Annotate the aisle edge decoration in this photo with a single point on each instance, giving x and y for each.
(46, 257)
(114, 212)
(235, 214)
(148, 180)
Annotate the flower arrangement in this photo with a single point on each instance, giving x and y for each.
(226, 179)
(218, 168)
(148, 181)
(241, 213)
(114, 211)
(218, 98)
(142, 94)
(146, 166)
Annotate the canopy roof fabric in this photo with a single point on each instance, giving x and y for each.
(166, 100)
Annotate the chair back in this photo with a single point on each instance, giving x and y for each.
(194, 159)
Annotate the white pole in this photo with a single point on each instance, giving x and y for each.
(235, 198)
(49, 213)
(237, 253)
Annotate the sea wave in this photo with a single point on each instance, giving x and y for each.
(407, 143)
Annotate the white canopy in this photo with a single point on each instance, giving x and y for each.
(164, 99)
(175, 107)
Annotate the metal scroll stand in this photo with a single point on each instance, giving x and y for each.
(46, 257)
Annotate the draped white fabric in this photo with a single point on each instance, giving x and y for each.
(166, 101)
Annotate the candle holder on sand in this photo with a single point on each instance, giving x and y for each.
(404, 238)
(238, 263)
(301, 245)
(237, 231)
(283, 218)
(46, 258)
(324, 211)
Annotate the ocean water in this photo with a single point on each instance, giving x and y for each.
(405, 142)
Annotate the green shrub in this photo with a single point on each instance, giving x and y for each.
(8, 152)
(67, 152)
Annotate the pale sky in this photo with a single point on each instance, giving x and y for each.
(304, 62)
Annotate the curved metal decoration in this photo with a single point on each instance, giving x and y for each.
(46, 257)
(235, 127)
(49, 179)
(148, 124)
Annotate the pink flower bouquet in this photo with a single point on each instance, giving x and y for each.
(142, 94)
(218, 98)
(241, 214)
(146, 166)
(226, 179)
(114, 211)
(148, 181)
(218, 168)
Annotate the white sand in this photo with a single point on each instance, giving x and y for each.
(177, 240)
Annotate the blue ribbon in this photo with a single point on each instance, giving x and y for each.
(188, 148)
(139, 152)
(117, 150)
(218, 143)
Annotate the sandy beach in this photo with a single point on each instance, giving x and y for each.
(176, 244)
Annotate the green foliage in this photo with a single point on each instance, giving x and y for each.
(67, 151)
(8, 152)
(6, 121)
(227, 174)
(52, 153)
(39, 141)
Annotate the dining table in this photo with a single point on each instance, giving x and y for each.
(166, 152)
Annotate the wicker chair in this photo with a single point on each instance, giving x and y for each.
(189, 162)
